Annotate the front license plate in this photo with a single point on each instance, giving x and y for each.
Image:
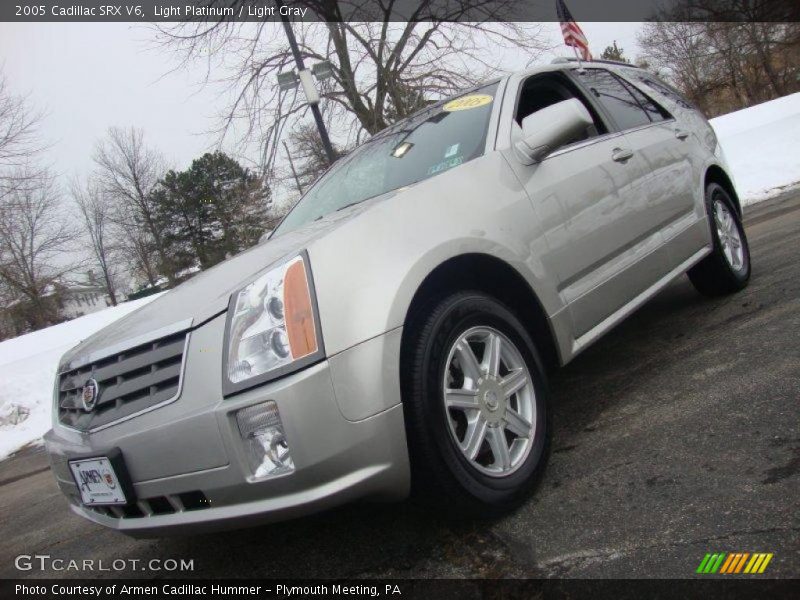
(97, 481)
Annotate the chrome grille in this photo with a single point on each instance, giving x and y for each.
(129, 382)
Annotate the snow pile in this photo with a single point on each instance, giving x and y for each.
(762, 145)
(28, 369)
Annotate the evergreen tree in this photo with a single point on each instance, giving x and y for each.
(212, 210)
(614, 53)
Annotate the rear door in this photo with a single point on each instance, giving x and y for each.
(664, 184)
(689, 232)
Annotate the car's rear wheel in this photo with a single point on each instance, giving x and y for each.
(727, 268)
(474, 396)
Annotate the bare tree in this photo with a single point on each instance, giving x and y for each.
(95, 212)
(725, 55)
(309, 153)
(136, 246)
(35, 239)
(19, 141)
(128, 171)
(677, 49)
(382, 70)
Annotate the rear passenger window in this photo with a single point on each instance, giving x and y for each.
(653, 110)
(615, 97)
(663, 88)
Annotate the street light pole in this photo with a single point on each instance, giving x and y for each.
(298, 59)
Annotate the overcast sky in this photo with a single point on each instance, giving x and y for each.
(90, 76)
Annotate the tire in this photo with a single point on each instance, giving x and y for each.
(727, 269)
(442, 473)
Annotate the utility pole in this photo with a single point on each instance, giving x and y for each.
(305, 79)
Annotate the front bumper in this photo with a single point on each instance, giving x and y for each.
(192, 447)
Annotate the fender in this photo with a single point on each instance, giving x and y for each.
(392, 247)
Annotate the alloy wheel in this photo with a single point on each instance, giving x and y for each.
(728, 234)
(490, 401)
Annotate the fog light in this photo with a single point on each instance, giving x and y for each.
(264, 440)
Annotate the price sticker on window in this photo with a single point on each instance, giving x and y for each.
(467, 102)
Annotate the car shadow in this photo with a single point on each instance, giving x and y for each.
(598, 377)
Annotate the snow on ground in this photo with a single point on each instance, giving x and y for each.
(27, 374)
(761, 144)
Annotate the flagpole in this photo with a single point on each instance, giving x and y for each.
(577, 57)
(573, 34)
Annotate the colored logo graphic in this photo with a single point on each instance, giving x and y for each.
(731, 563)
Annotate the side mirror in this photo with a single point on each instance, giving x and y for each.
(549, 128)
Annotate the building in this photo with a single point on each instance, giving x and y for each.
(78, 299)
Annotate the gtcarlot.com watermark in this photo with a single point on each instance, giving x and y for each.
(45, 562)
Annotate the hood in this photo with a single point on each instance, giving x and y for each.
(207, 294)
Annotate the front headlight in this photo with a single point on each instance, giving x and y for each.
(272, 327)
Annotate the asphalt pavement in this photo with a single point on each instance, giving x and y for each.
(675, 435)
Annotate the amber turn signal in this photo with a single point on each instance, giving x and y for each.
(299, 313)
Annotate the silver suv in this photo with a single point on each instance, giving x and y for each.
(393, 334)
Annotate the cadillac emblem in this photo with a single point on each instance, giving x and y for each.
(89, 395)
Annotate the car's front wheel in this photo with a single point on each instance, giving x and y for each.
(474, 396)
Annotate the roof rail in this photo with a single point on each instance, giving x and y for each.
(571, 59)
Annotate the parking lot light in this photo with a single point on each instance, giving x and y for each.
(322, 70)
(288, 80)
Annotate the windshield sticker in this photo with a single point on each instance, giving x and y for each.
(451, 151)
(446, 164)
(467, 102)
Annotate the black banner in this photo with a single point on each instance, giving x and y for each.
(433, 589)
(143, 11)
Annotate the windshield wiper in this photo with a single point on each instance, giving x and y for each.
(342, 208)
(351, 204)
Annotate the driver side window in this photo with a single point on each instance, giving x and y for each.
(541, 91)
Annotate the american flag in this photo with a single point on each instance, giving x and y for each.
(573, 34)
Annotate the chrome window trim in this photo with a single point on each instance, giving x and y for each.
(583, 144)
(648, 125)
(138, 413)
(605, 136)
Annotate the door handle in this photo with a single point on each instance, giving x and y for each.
(621, 154)
(681, 134)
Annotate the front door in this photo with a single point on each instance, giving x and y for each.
(601, 243)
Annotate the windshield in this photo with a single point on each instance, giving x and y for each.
(430, 142)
